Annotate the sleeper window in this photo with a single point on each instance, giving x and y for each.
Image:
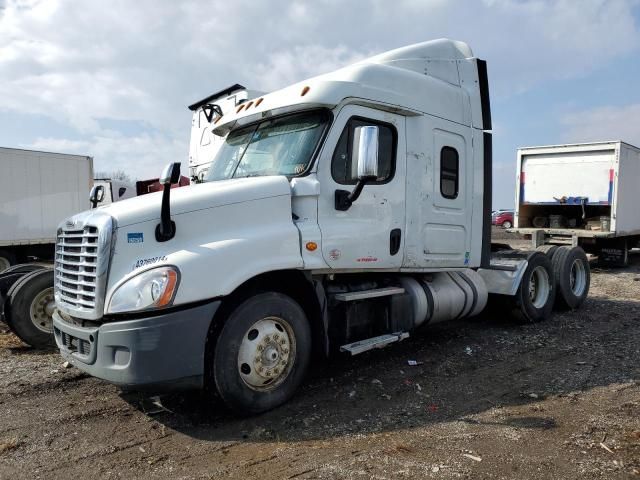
(449, 169)
(345, 171)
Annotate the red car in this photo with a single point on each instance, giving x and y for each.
(503, 219)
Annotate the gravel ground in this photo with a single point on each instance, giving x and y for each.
(490, 399)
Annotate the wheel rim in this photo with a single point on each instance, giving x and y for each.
(267, 354)
(506, 224)
(578, 277)
(41, 310)
(4, 264)
(539, 287)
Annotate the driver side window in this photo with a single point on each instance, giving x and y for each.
(345, 171)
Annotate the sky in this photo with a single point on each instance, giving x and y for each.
(113, 79)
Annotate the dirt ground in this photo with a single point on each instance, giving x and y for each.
(490, 399)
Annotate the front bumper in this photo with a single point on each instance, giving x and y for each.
(162, 351)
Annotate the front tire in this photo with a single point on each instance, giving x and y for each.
(262, 353)
(29, 308)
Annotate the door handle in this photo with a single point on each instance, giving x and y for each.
(394, 241)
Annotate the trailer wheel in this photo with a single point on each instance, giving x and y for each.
(7, 259)
(572, 275)
(533, 301)
(29, 308)
(262, 353)
(548, 250)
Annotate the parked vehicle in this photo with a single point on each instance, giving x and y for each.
(206, 112)
(152, 185)
(115, 190)
(340, 214)
(37, 191)
(503, 219)
(583, 194)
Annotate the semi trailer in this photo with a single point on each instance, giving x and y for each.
(582, 194)
(339, 215)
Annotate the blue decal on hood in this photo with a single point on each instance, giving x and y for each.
(135, 237)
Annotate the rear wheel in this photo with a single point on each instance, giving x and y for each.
(533, 301)
(548, 250)
(572, 276)
(506, 224)
(262, 353)
(7, 259)
(29, 308)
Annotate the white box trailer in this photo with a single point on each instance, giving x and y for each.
(37, 191)
(586, 194)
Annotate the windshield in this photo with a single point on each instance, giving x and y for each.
(279, 146)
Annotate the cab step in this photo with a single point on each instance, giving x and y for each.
(364, 294)
(375, 342)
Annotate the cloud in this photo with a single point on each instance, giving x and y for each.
(145, 61)
(142, 156)
(603, 123)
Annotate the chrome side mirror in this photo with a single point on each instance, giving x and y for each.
(364, 154)
(96, 195)
(365, 151)
(170, 174)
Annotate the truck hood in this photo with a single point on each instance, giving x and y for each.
(198, 197)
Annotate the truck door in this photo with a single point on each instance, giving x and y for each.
(369, 235)
(446, 222)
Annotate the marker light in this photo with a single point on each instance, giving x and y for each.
(311, 246)
(305, 90)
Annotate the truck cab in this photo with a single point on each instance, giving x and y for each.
(338, 215)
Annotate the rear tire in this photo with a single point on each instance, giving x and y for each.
(572, 276)
(548, 250)
(262, 353)
(7, 259)
(534, 299)
(29, 309)
(506, 224)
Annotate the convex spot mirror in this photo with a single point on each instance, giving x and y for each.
(365, 151)
(96, 195)
(170, 174)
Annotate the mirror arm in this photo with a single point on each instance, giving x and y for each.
(344, 199)
(166, 229)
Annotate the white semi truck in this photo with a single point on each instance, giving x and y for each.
(340, 214)
(582, 194)
(203, 144)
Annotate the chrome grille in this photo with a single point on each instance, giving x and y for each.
(76, 267)
(83, 252)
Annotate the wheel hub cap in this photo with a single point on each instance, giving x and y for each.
(41, 310)
(266, 353)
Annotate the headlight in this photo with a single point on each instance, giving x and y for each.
(154, 288)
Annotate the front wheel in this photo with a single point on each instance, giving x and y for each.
(262, 353)
(506, 224)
